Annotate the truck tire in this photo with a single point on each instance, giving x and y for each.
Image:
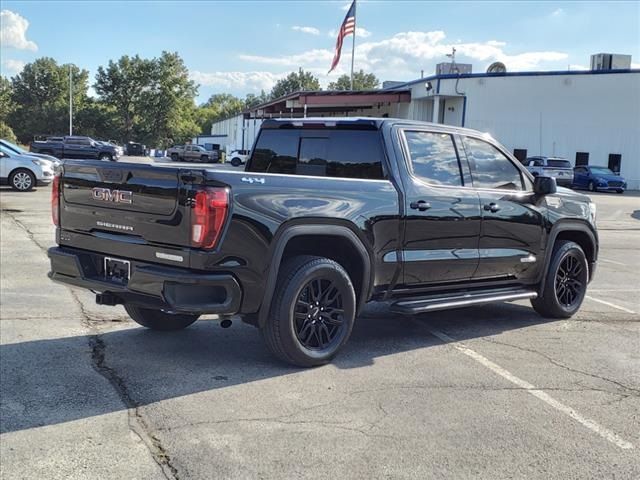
(204, 158)
(22, 180)
(175, 157)
(159, 320)
(236, 162)
(566, 282)
(105, 157)
(312, 312)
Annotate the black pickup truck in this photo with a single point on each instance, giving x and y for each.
(75, 147)
(329, 214)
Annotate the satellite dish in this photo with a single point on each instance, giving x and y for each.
(497, 67)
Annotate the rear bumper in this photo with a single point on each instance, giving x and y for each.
(152, 286)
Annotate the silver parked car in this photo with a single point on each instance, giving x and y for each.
(21, 151)
(24, 172)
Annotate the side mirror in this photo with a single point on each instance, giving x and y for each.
(544, 185)
(2, 155)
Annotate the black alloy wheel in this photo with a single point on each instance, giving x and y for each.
(312, 312)
(319, 316)
(570, 283)
(565, 284)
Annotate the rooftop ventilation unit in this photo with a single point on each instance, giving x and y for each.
(610, 61)
(452, 68)
(497, 67)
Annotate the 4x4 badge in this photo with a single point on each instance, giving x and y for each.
(253, 180)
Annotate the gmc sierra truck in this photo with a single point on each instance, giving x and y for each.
(329, 214)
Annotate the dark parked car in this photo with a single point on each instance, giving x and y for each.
(75, 147)
(136, 149)
(329, 214)
(598, 179)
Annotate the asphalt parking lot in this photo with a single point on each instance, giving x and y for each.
(490, 392)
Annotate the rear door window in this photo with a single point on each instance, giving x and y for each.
(324, 153)
(490, 168)
(434, 157)
(276, 152)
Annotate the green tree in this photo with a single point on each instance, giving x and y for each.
(98, 120)
(253, 100)
(7, 105)
(122, 85)
(167, 113)
(219, 106)
(361, 81)
(6, 132)
(295, 82)
(41, 97)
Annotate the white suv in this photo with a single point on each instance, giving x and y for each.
(23, 172)
(238, 157)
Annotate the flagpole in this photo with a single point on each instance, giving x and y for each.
(353, 44)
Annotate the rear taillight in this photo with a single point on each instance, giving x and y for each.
(55, 200)
(208, 216)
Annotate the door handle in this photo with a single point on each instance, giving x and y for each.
(420, 205)
(492, 207)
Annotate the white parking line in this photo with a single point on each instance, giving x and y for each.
(611, 261)
(541, 395)
(609, 304)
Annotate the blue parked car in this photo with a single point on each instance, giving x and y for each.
(598, 179)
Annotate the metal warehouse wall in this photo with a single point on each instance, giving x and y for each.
(559, 115)
(232, 128)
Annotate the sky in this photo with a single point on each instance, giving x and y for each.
(242, 47)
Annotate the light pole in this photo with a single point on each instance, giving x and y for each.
(70, 101)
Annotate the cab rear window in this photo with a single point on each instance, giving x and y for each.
(559, 163)
(322, 152)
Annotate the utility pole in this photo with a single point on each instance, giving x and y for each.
(70, 101)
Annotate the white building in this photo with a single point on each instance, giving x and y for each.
(585, 116)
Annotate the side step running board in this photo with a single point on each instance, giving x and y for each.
(459, 300)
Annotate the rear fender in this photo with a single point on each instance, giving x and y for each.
(287, 234)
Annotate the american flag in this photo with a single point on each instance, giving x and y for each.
(348, 27)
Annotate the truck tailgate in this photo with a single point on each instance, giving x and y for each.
(134, 203)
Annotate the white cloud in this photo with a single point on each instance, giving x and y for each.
(361, 32)
(404, 54)
(558, 12)
(399, 57)
(415, 50)
(298, 60)
(574, 66)
(635, 65)
(247, 81)
(12, 67)
(13, 31)
(309, 30)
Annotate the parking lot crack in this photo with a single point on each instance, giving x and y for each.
(628, 391)
(136, 421)
(26, 230)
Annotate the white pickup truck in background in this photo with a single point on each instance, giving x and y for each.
(556, 167)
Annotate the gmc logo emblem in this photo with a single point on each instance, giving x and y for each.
(107, 195)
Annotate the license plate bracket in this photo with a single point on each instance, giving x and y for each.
(117, 270)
